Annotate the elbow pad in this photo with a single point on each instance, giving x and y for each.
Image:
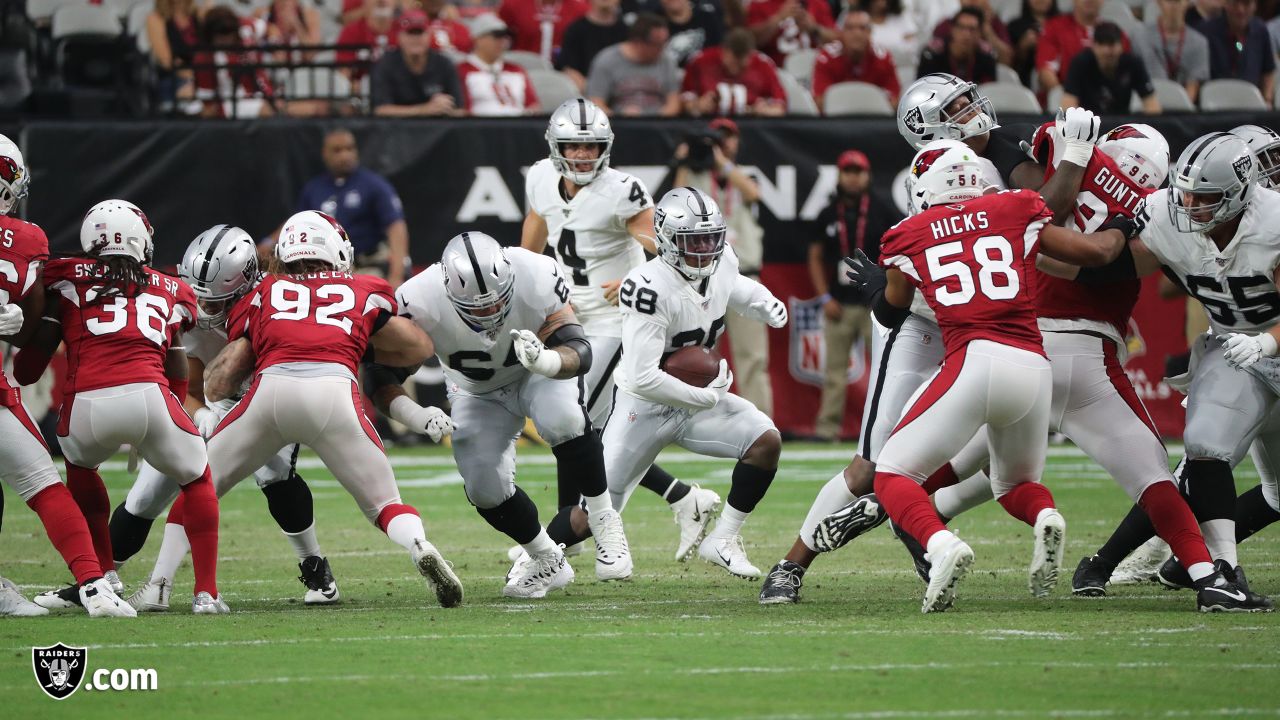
(378, 376)
(1122, 268)
(572, 337)
(888, 314)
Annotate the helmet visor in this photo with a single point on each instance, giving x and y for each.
(700, 248)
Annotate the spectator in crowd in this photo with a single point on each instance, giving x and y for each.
(1064, 36)
(414, 80)
(377, 31)
(693, 26)
(993, 35)
(781, 27)
(490, 85)
(1104, 76)
(636, 76)
(367, 206)
(1202, 11)
(733, 79)
(1172, 51)
(1024, 33)
(173, 29)
(447, 33)
(1240, 47)
(854, 219)
(707, 161)
(287, 22)
(353, 10)
(893, 30)
(962, 54)
(226, 87)
(585, 37)
(538, 26)
(854, 58)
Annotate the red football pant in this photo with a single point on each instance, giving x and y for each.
(90, 494)
(1174, 522)
(908, 506)
(1026, 500)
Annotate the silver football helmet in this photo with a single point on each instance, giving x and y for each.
(579, 121)
(220, 265)
(925, 112)
(13, 175)
(1212, 182)
(1265, 144)
(479, 280)
(690, 231)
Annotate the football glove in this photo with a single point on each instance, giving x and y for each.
(722, 382)
(772, 311)
(1079, 130)
(863, 274)
(207, 421)
(1243, 350)
(430, 421)
(534, 355)
(10, 319)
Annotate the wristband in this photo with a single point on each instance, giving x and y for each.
(405, 411)
(825, 297)
(1077, 152)
(1268, 344)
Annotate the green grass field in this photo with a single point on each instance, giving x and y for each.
(677, 641)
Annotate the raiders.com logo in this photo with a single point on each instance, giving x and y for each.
(59, 669)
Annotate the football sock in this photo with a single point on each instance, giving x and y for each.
(831, 497)
(908, 505)
(1026, 500)
(200, 517)
(1176, 525)
(516, 517)
(598, 504)
(67, 530)
(1133, 530)
(750, 483)
(541, 544)
(304, 543)
(944, 476)
(973, 491)
(128, 534)
(1253, 513)
(580, 464)
(1211, 493)
(91, 495)
(940, 538)
(173, 549)
(402, 524)
(560, 529)
(730, 523)
(661, 482)
(291, 504)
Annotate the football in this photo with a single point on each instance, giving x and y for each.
(695, 365)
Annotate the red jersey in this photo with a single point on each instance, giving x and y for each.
(1105, 193)
(23, 249)
(1063, 38)
(324, 317)
(117, 340)
(537, 26)
(974, 263)
(759, 79)
(876, 67)
(789, 37)
(361, 33)
(449, 35)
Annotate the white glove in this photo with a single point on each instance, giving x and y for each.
(1079, 129)
(10, 319)
(773, 310)
(720, 386)
(1244, 350)
(430, 421)
(207, 421)
(534, 355)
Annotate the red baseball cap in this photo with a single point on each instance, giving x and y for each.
(725, 125)
(414, 19)
(853, 158)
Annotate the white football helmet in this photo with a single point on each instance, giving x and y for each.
(923, 116)
(946, 171)
(1265, 144)
(1212, 182)
(313, 235)
(579, 121)
(1140, 151)
(117, 227)
(689, 226)
(13, 175)
(220, 265)
(479, 280)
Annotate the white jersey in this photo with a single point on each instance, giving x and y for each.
(204, 345)
(477, 361)
(589, 236)
(1236, 285)
(663, 312)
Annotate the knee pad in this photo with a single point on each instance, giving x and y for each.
(1209, 488)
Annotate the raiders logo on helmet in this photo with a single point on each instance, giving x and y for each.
(914, 120)
(1242, 166)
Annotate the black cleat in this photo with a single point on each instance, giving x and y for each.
(60, 599)
(1227, 591)
(1173, 576)
(322, 589)
(1091, 578)
(917, 551)
(842, 526)
(782, 584)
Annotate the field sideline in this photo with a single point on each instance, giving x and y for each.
(677, 641)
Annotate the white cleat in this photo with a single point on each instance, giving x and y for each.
(117, 585)
(101, 601)
(728, 553)
(13, 604)
(515, 551)
(613, 555)
(1142, 564)
(152, 597)
(946, 567)
(64, 598)
(205, 604)
(438, 572)
(1046, 558)
(694, 514)
(534, 577)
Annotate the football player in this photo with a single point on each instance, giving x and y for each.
(511, 348)
(678, 300)
(301, 333)
(220, 265)
(599, 221)
(25, 465)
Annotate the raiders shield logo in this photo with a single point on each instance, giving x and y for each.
(1243, 165)
(914, 120)
(59, 669)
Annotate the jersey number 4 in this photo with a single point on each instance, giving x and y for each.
(292, 301)
(995, 258)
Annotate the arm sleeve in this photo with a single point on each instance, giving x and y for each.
(747, 292)
(642, 344)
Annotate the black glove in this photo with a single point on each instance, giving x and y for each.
(864, 275)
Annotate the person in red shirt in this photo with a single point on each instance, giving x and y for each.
(538, 26)
(854, 58)
(445, 31)
(491, 85)
(1065, 36)
(376, 31)
(961, 54)
(733, 79)
(783, 26)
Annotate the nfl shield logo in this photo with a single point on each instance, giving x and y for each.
(59, 669)
(807, 355)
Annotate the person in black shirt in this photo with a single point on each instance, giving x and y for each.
(852, 220)
(585, 37)
(693, 26)
(962, 53)
(415, 80)
(1101, 78)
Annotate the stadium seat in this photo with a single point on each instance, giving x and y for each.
(553, 87)
(1006, 74)
(98, 21)
(799, 101)
(318, 83)
(1008, 97)
(1119, 12)
(41, 11)
(856, 98)
(527, 60)
(1053, 100)
(800, 64)
(15, 83)
(1172, 96)
(1230, 95)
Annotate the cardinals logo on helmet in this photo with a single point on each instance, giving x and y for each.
(925, 161)
(145, 222)
(1121, 132)
(10, 171)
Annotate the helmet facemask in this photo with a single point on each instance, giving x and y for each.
(485, 311)
(976, 118)
(571, 169)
